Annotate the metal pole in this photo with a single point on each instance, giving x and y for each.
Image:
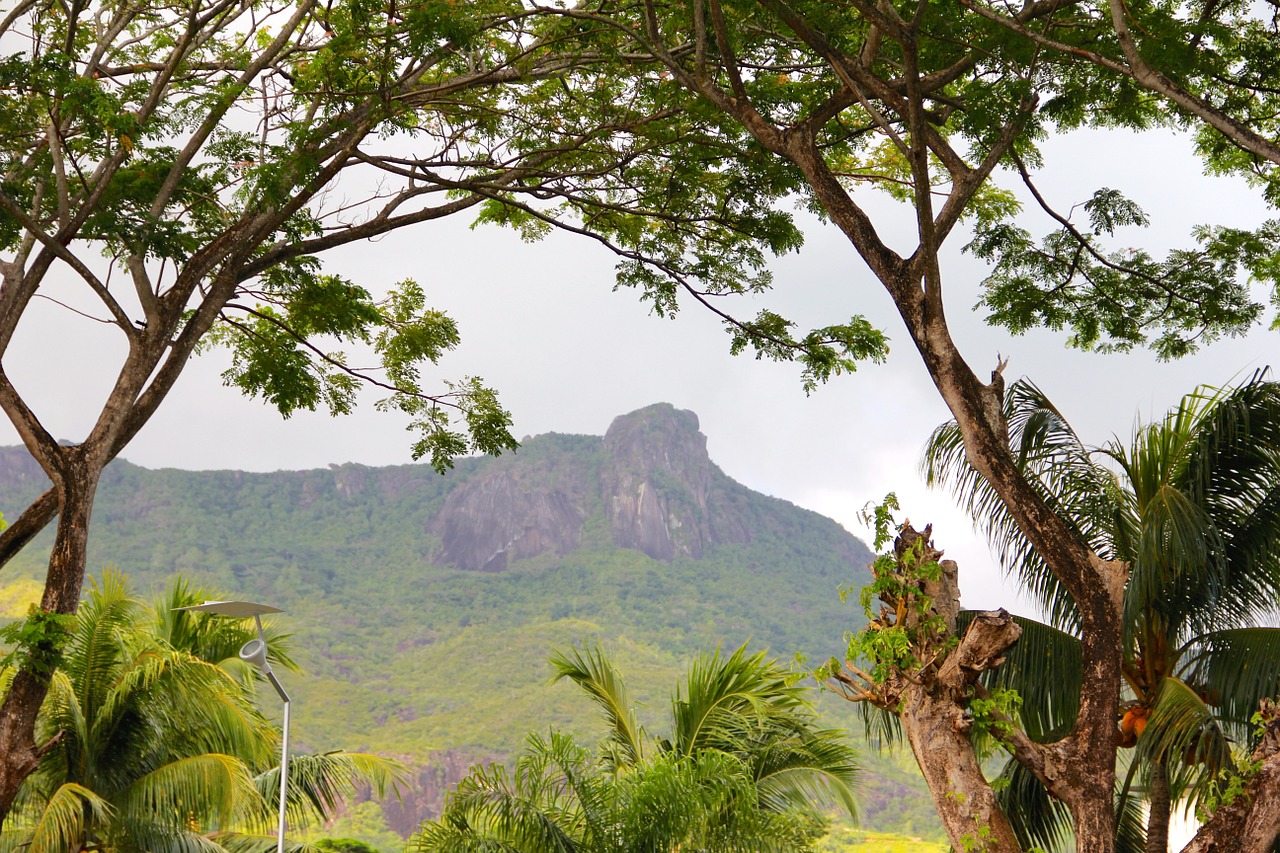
(284, 775)
(284, 745)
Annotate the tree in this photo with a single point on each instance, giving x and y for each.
(174, 171)
(1182, 53)
(1193, 506)
(153, 747)
(926, 101)
(745, 768)
(707, 118)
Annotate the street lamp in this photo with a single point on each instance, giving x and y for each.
(255, 652)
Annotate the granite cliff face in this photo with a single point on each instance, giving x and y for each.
(523, 506)
(650, 474)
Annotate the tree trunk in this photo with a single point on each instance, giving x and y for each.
(1158, 816)
(1251, 822)
(61, 595)
(938, 730)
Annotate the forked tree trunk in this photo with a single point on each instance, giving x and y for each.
(79, 480)
(939, 738)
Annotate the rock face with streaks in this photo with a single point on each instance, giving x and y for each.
(661, 492)
(650, 474)
(524, 505)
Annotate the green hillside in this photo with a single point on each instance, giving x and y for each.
(409, 654)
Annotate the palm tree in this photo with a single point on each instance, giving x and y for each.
(1192, 505)
(744, 769)
(153, 747)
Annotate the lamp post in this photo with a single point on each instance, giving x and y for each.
(255, 652)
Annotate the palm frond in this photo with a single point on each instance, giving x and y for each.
(67, 819)
(62, 711)
(157, 839)
(1178, 551)
(243, 842)
(1038, 820)
(217, 714)
(319, 784)
(534, 811)
(1233, 469)
(1233, 670)
(107, 613)
(727, 701)
(209, 788)
(1184, 733)
(591, 670)
(807, 772)
(1131, 822)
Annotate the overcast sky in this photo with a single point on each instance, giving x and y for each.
(540, 323)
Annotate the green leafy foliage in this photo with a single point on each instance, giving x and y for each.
(38, 642)
(151, 743)
(905, 629)
(1115, 300)
(743, 769)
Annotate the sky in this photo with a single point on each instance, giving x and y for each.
(542, 324)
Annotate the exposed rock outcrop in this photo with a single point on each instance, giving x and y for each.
(650, 477)
(655, 482)
(523, 506)
(492, 520)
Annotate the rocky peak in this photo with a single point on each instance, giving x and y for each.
(656, 481)
(650, 478)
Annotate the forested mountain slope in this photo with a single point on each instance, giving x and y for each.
(424, 606)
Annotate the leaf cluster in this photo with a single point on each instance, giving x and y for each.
(745, 768)
(38, 642)
(153, 740)
(1112, 300)
(906, 633)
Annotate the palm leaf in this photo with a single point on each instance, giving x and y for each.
(807, 771)
(591, 670)
(66, 820)
(215, 712)
(1131, 822)
(728, 701)
(1038, 820)
(319, 784)
(1183, 732)
(1234, 670)
(208, 788)
(534, 811)
(156, 839)
(106, 615)
(1233, 469)
(1178, 549)
(243, 842)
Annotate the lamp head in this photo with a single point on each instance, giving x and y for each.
(255, 652)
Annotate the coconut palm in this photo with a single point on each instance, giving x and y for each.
(151, 747)
(745, 768)
(1192, 505)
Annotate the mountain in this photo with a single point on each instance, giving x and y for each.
(424, 606)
